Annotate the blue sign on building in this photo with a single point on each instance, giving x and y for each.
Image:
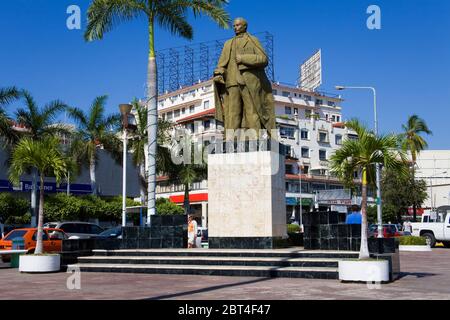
(49, 187)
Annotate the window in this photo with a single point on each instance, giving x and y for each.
(296, 111)
(169, 115)
(323, 137)
(338, 139)
(331, 103)
(287, 110)
(288, 169)
(308, 98)
(338, 118)
(183, 110)
(305, 153)
(191, 109)
(322, 155)
(176, 113)
(163, 116)
(93, 229)
(275, 92)
(16, 234)
(319, 102)
(286, 94)
(207, 124)
(44, 236)
(305, 187)
(307, 114)
(353, 137)
(287, 132)
(206, 104)
(318, 186)
(305, 170)
(57, 235)
(288, 150)
(304, 134)
(333, 118)
(335, 187)
(326, 116)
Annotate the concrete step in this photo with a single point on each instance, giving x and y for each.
(211, 261)
(243, 271)
(281, 253)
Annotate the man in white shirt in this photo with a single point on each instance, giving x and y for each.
(192, 232)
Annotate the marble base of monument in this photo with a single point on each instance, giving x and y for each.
(246, 199)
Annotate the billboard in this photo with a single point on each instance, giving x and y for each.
(311, 72)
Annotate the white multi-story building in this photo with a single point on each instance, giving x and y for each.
(434, 169)
(310, 125)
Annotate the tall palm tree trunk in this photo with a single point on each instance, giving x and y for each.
(34, 211)
(413, 171)
(143, 189)
(152, 120)
(39, 245)
(92, 175)
(186, 204)
(364, 250)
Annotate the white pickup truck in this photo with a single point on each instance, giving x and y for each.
(435, 227)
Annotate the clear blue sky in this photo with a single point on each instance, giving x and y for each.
(407, 60)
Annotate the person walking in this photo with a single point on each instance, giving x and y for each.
(192, 232)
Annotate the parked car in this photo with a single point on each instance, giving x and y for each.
(77, 230)
(389, 231)
(435, 227)
(52, 240)
(113, 233)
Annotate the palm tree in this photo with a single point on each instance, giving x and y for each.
(412, 141)
(95, 130)
(138, 145)
(46, 157)
(188, 173)
(39, 123)
(361, 156)
(104, 15)
(7, 95)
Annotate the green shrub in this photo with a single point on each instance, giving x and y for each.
(412, 241)
(14, 210)
(61, 207)
(165, 207)
(293, 228)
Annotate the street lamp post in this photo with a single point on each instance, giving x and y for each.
(377, 166)
(128, 123)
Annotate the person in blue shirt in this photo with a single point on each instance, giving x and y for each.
(355, 216)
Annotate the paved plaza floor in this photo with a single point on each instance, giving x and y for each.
(425, 275)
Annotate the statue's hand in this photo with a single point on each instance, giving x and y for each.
(219, 79)
(238, 58)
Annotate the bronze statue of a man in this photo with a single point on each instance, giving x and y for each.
(244, 98)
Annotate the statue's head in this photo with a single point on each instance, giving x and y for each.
(240, 25)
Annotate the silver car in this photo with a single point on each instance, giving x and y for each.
(77, 230)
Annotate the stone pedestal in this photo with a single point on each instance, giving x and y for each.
(246, 195)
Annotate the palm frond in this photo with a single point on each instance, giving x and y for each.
(174, 19)
(7, 95)
(104, 15)
(213, 9)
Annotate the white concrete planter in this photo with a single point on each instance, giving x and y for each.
(415, 248)
(36, 264)
(364, 271)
